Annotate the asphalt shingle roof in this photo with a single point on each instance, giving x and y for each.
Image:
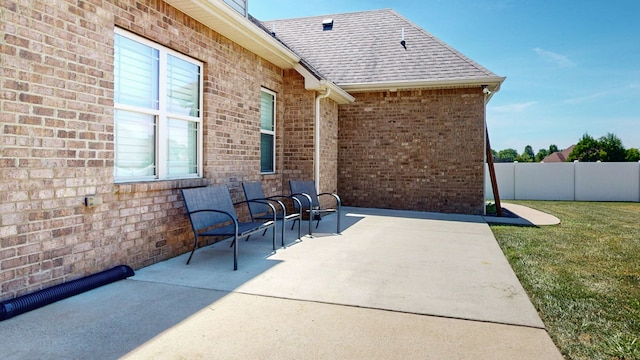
(365, 47)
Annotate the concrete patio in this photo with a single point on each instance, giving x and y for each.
(394, 285)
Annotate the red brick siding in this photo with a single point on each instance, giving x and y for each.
(418, 150)
(56, 121)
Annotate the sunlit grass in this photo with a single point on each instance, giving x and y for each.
(583, 275)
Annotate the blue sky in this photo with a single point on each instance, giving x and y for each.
(572, 67)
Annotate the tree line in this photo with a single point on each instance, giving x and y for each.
(607, 148)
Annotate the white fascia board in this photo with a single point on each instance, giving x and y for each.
(493, 83)
(311, 82)
(224, 20)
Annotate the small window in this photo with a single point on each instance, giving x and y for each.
(158, 111)
(267, 131)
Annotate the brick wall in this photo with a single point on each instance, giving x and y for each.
(298, 124)
(418, 150)
(56, 113)
(328, 145)
(299, 135)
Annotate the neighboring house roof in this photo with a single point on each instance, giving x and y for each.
(559, 156)
(363, 50)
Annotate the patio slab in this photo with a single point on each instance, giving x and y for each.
(395, 284)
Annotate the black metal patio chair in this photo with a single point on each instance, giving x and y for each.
(260, 211)
(212, 213)
(305, 192)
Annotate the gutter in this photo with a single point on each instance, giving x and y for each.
(231, 24)
(316, 139)
(493, 83)
(315, 82)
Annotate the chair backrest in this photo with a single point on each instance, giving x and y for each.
(253, 191)
(307, 187)
(208, 198)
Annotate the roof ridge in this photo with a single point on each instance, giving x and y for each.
(326, 15)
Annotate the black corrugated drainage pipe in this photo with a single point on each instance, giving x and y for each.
(40, 298)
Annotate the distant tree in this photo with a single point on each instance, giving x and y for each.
(552, 148)
(611, 148)
(525, 157)
(608, 148)
(542, 153)
(587, 149)
(633, 154)
(529, 151)
(508, 155)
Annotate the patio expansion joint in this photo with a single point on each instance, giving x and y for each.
(345, 305)
(393, 311)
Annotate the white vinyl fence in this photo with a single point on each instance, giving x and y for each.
(577, 181)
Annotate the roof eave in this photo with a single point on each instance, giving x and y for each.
(229, 23)
(315, 83)
(493, 83)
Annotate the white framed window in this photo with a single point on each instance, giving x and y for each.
(157, 111)
(267, 131)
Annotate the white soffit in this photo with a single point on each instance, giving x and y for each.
(220, 17)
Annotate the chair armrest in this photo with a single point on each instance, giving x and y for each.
(335, 196)
(267, 200)
(307, 196)
(293, 198)
(232, 217)
(259, 201)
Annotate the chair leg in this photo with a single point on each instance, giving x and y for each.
(195, 245)
(235, 252)
(274, 234)
(282, 231)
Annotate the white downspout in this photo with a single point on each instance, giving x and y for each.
(316, 156)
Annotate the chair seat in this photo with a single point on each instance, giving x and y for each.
(279, 216)
(309, 200)
(244, 228)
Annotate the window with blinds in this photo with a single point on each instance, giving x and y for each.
(267, 131)
(158, 111)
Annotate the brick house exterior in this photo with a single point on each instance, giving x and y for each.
(404, 150)
(57, 126)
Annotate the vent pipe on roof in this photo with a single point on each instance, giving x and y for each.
(402, 42)
(327, 24)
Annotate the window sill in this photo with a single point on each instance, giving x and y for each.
(158, 185)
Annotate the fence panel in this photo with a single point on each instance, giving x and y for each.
(553, 181)
(607, 182)
(567, 181)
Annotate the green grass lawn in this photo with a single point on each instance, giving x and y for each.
(583, 276)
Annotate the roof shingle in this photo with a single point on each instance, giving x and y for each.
(365, 47)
